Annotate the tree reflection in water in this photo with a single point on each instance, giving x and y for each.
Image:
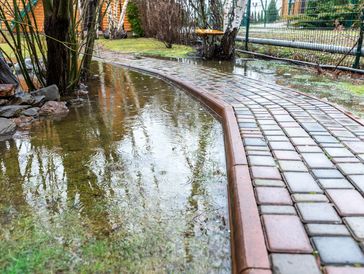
(138, 172)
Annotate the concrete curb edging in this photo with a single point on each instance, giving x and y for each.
(248, 248)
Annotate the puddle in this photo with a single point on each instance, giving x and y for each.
(132, 181)
(345, 90)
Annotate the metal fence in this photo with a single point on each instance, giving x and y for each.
(326, 32)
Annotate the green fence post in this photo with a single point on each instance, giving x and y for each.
(248, 8)
(360, 41)
(289, 12)
(289, 7)
(265, 14)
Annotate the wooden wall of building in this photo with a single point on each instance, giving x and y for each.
(298, 7)
(105, 22)
(39, 14)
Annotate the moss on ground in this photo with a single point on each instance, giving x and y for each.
(146, 46)
(356, 88)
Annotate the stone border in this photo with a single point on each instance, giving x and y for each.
(248, 248)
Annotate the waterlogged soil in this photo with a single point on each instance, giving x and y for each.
(133, 180)
(346, 89)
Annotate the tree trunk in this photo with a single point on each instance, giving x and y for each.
(90, 37)
(122, 16)
(56, 27)
(226, 50)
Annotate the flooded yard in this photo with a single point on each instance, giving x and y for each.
(132, 180)
(344, 90)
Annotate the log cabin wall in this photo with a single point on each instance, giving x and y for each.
(297, 7)
(39, 15)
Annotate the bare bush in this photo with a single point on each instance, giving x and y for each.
(166, 20)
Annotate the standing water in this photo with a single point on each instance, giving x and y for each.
(132, 181)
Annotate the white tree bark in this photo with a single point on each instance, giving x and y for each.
(122, 15)
(112, 14)
(233, 13)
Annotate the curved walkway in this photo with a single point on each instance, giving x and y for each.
(306, 162)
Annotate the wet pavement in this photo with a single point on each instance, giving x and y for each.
(306, 159)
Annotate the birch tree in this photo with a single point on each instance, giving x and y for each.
(209, 14)
(233, 15)
(122, 16)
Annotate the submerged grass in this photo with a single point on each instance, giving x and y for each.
(32, 246)
(146, 46)
(117, 186)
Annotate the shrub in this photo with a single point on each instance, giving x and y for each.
(134, 19)
(272, 12)
(328, 14)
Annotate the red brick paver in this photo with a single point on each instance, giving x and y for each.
(285, 233)
(273, 196)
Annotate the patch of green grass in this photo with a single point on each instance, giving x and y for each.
(5, 48)
(8, 51)
(356, 88)
(147, 47)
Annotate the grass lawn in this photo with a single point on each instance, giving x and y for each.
(146, 46)
(7, 50)
(356, 88)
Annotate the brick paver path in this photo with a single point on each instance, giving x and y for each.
(307, 164)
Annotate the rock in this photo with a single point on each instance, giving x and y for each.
(6, 74)
(3, 102)
(83, 86)
(33, 112)
(53, 108)
(7, 90)
(23, 122)
(28, 67)
(107, 34)
(7, 127)
(50, 93)
(12, 111)
(120, 35)
(22, 98)
(81, 92)
(39, 100)
(75, 102)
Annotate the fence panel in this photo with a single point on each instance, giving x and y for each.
(318, 31)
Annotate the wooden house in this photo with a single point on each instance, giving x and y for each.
(293, 7)
(37, 6)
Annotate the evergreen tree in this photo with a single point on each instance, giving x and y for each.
(328, 13)
(272, 12)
